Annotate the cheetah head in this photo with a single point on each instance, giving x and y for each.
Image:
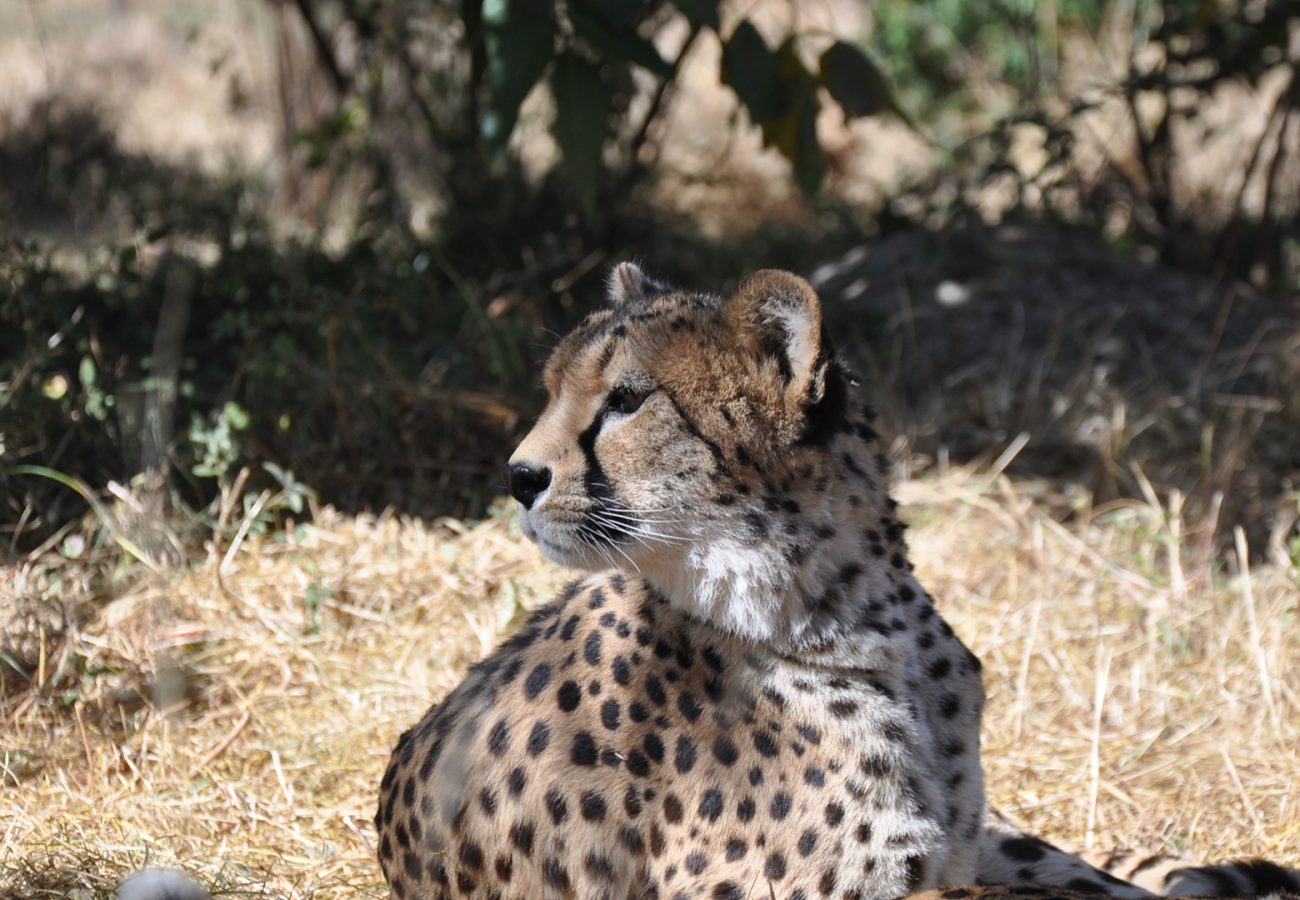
(689, 437)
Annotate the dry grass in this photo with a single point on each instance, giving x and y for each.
(236, 720)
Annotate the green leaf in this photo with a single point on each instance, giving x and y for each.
(751, 70)
(582, 100)
(781, 96)
(700, 13)
(519, 42)
(618, 41)
(794, 132)
(855, 82)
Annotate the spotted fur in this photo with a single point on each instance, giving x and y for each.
(754, 696)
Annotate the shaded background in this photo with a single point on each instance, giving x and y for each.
(269, 268)
(318, 248)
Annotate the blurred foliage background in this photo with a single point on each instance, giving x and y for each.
(258, 253)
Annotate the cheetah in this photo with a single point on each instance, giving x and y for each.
(753, 696)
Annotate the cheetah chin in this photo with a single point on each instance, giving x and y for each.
(753, 696)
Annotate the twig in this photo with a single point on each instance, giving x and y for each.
(342, 84)
(244, 526)
(1256, 642)
(222, 745)
(657, 102)
(1241, 790)
(1094, 751)
(85, 744)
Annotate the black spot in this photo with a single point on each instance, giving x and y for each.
(654, 747)
(727, 890)
(656, 840)
(584, 750)
(471, 855)
(940, 668)
(630, 837)
(555, 874)
(685, 757)
(843, 708)
(516, 780)
(591, 648)
(915, 866)
(807, 842)
(876, 766)
(745, 809)
(556, 806)
(755, 776)
(863, 834)
(488, 801)
(632, 801)
(498, 738)
(569, 696)
(622, 674)
(566, 633)
(712, 658)
(637, 763)
(609, 714)
(949, 706)
(654, 689)
(764, 744)
(814, 777)
(696, 862)
(537, 680)
(834, 814)
(592, 806)
(539, 738)
(711, 804)
(1025, 849)
(511, 670)
(774, 868)
(504, 868)
(637, 712)
(521, 835)
(672, 809)
(725, 751)
(688, 706)
(736, 849)
(780, 807)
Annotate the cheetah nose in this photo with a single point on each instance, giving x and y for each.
(526, 482)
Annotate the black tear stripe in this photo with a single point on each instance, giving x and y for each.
(719, 460)
(597, 484)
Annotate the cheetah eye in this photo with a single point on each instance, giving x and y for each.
(626, 399)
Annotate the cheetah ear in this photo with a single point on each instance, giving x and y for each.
(778, 315)
(628, 285)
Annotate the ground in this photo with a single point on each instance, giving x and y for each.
(235, 718)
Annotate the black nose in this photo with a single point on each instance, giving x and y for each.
(526, 482)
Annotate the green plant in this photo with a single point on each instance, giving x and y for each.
(214, 440)
(586, 52)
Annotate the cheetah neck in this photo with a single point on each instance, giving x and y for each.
(825, 560)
